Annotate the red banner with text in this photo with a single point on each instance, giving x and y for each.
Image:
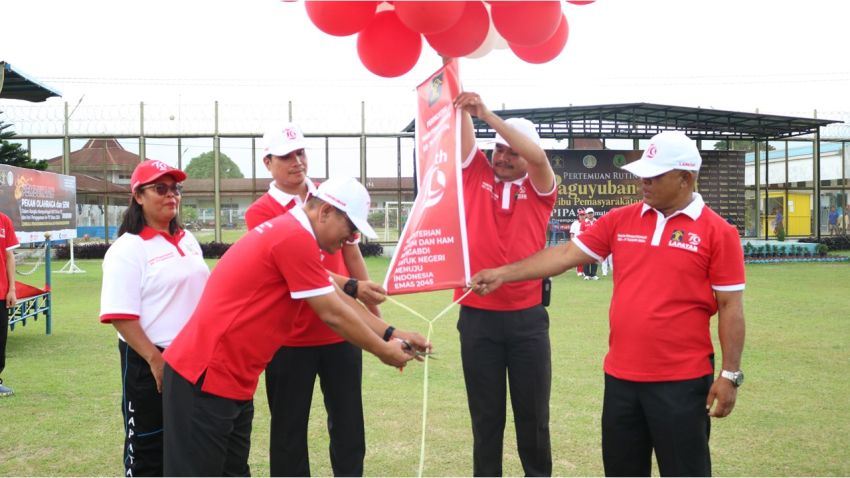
(432, 252)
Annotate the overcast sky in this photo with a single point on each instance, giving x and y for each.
(776, 55)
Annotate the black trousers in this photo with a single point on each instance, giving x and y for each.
(668, 417)
(4, 334)
(590, 269)
(205, 435)
(495, 344)
(141, 407)
(290, 378)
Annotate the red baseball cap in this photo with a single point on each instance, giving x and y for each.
(151, 170)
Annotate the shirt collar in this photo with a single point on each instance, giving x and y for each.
(285, 198)
(518, 182)
(149, 233)
(692, 210)
(302, 219)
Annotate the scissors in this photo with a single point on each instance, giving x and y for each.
(416, 353)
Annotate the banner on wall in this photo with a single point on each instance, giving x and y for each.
(592, 178)
(38, 202)
(432, 252)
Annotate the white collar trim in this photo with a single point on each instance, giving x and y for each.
(285, 198)
(692, 210)
(302, 218)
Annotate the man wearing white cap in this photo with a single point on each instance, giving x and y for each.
(678, 262)
(508, 205)
(311, 348)
(252, 297)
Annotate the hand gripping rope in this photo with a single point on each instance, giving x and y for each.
(425, 374)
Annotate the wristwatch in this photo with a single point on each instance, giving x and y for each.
(350, 288)
(737, 378)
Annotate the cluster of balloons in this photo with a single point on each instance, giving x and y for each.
(389, 34)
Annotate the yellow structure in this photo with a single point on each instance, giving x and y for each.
(796, 215)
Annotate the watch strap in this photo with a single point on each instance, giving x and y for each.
(350, 288)
(388, 334)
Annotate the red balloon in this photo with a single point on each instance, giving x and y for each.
(340, 18)
(429, 17)
(465, 36)
(547, 50)
(526, 23)
(388, 48)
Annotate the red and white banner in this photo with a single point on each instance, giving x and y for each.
(39, 202)
(432, 253)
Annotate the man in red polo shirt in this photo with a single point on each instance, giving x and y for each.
(311, 348)
(254, 293)
(678, 262)
(508, 205)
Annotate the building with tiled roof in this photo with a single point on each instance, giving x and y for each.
(103, 168)
(102, 158)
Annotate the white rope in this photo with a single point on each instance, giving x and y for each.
(37, 263)
(425, 374)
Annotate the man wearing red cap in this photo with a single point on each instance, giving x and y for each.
(678, 262)
(153, 276)
(508, 205)
(252, 300)
(311, 348)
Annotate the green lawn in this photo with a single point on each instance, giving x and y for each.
(792, 416)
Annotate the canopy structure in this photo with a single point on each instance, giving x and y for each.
(638, 121)
(15, 85)
(644, 120)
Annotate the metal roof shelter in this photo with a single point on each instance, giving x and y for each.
(637, 121)
(15, 85)
(643, 120)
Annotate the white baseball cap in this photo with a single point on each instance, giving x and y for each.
(524, 126)
(667, 150)
(350, 197)
(282, 140)
(589, 210)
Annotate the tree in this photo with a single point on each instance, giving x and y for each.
(202, 166)
(739, 145)
(14, 154)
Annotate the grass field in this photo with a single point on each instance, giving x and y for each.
(792, 415)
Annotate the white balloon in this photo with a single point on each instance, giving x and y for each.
(499, 42)
(488, 44)
(483, 49)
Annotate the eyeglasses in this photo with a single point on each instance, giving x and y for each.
(163, 189)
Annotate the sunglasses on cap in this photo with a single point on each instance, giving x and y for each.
(162, 189)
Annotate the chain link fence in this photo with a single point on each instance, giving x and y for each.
(354, 139)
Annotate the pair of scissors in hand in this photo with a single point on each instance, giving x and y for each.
(405, 345)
